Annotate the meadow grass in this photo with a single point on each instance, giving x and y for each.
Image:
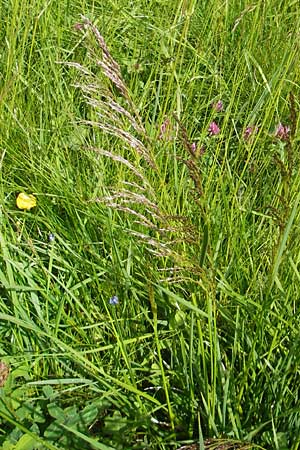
(151, 298)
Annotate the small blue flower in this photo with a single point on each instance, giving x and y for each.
(114, 300)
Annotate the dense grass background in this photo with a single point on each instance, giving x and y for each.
(202, 252)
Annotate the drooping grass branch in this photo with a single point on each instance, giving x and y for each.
(163, 234)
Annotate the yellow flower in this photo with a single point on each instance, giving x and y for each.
(25, 201)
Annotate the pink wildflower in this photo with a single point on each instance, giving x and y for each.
(164, 127)
(218, 106)
(196, 150)
(194, 147)
(78, 26)
(213, 129)
(166, 130)
(249, 131)
(282, 132)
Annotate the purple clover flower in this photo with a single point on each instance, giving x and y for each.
(249, 131)
(166, 130)
(194, 147)
(197, 151)
(217, 106)
(78, 26)
(213, 129)
(114, 300)
(282, 132)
